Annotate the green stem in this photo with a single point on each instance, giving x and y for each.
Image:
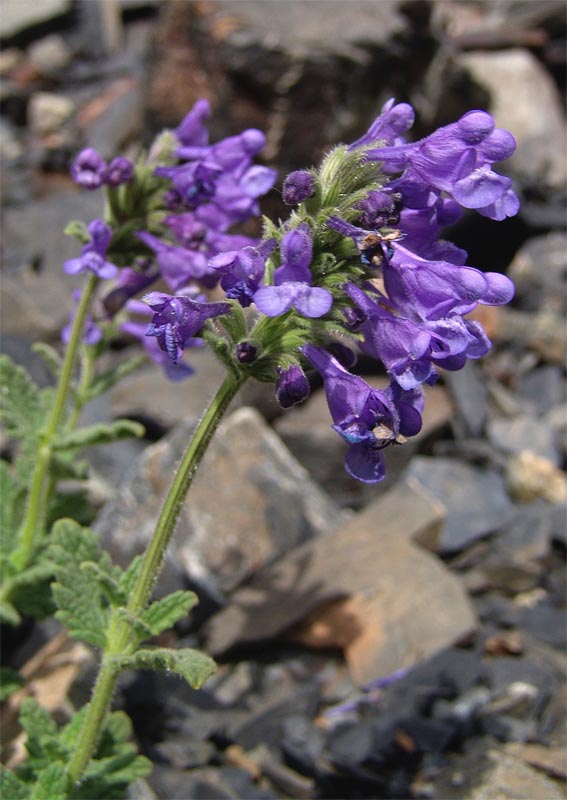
(35, 510)
(119, 636)
(87, 369)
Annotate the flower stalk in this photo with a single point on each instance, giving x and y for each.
(31, 527)
(119, 641)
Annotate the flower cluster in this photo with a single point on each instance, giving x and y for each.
(360, 256)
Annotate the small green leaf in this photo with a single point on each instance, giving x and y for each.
(11, 788)
(83, 607)
(130, 576)
(102, 383)
(190, 664)
(63, 467)
(100, 433)
(50, 356)
(163, 614)
(20, 406)
(9, 613)
(118, 769)
(138, 627)
(51, 784)
(78, 229)
(10, 682)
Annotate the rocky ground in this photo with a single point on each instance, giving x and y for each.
(399, 641)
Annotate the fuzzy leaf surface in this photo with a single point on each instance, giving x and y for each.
(190, 664)
(163, 614)
(100, 433)
(82, 606)
(20, 406)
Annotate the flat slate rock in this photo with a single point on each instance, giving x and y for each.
(17, 15)
(407, 605)
(476, 500)
(250, 502)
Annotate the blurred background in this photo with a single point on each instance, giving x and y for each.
(401, 640)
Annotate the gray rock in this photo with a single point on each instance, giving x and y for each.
(476, 500)
(36, 294)
(120, 123)
(539, 272)
(47, 112)
(393, 603)
(525, 101)
(523, 433)
(250, 502)
(544, 387)
(148, 394)
(17, 16)
(468, 391)
(51, 54)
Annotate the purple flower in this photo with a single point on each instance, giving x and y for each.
(457, 159)
(366, 418)
(120, 170)
(177, 320)
(192, 130)
(91, 332)
(292, 280)
(242, 271)
(392, 121)
(178, 265)
(175, 372)
(92, 258)
(292, 387)
(297, 187)
(89, 169)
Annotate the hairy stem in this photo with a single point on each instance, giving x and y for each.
(32, 524)
(119, 640)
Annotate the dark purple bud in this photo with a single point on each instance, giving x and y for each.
(89, 169)
(292, 387)
(246, 352)
(298, 186)
(120, 170)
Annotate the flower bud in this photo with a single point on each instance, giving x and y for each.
(120, 170)
(292, 387)
(298, 186)
(246, 352)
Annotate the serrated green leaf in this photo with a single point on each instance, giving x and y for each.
(82, 607)
(163, 614)
(50, 357)
(10, 682)
(20, 406)
(68, 733)
(35, 599)
(75, 505)
(106, 582)
(33, 575)
(102, 383)
(9, 614)
(117, 728)
(100, 433)
(130, 575)
(138, 627)
(78, 229)
(51, 784)
(11, 788)
(62, 468)
(36, 721)
(26, 458)
(11, 506)
(190, 664)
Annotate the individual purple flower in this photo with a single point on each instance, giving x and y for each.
(120, 170)
(174, 372)
(178, 265)
(393, 120)
(292, 387)
(366, 418)
(293, 280)
(297, 187)
(242, 270)
(92, 258)
(177, 320)
(91, 332)
(192, 129)
(89, 169)
(457, 159)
